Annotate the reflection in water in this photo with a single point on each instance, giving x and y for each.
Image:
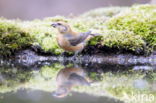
(12, 77)
(140, 84)
(37, 96)
(68, 78)
(50, 77)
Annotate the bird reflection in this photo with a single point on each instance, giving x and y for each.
(68, 78)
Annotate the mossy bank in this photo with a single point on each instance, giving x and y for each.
(129, 28)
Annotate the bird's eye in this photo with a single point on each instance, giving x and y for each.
(59, 24)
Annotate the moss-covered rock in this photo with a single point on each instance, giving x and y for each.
(132, 29)
(12, 37)
(139, 21)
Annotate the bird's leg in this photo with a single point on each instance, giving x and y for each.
(62, 58)
(63, 54)
(75, 55)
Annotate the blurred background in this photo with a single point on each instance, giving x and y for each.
(32, 9)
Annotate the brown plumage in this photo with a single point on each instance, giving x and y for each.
(68, 78)
(70, 40)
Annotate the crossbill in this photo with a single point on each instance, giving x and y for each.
(70, 40)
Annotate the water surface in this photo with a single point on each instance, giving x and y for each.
(54, 82)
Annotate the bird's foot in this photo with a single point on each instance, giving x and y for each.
(74, 57)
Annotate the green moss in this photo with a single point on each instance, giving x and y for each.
(140, 20)
(132, 28)
(121, 40)
(12, 37)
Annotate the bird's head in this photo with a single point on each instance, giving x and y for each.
(62, 27)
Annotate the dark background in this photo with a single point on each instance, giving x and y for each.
(31, 9)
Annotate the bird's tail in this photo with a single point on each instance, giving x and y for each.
(90, 35)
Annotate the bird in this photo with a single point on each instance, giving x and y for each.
(68, 78)
(70, 40)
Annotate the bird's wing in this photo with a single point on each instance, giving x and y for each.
(78, 80)
(74, 40)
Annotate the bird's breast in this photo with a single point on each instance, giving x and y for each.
(65, 44)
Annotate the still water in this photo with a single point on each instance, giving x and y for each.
(54, 82)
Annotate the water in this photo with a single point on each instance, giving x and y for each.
(54, 82)
(37, 96)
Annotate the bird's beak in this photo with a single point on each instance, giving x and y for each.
(54, 25)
